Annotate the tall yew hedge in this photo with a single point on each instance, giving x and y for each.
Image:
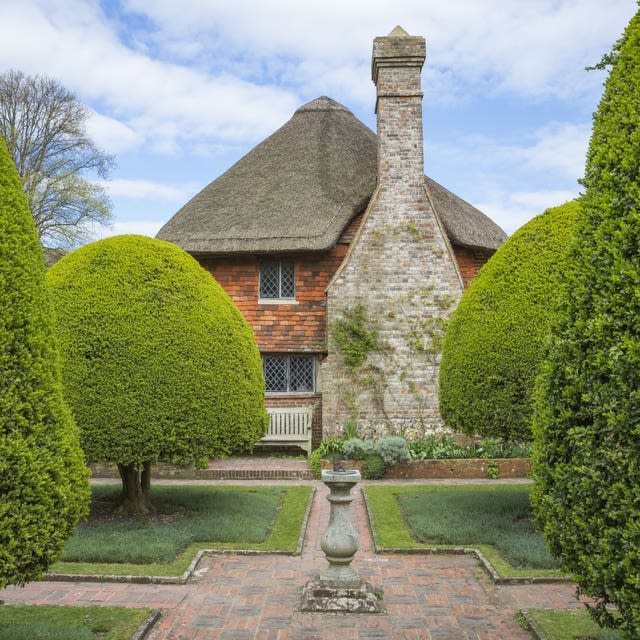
(494, 341)
(157, 361)
(44, 486)
(587, 418)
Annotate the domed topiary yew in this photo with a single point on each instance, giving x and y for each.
(44, 486)
(494, 341)
(158, 363)
(587, 418)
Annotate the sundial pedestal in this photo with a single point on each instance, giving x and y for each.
(339, 587)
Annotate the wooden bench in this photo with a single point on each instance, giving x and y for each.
(289, 426)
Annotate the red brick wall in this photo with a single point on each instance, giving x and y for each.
(284, 327)
(470, 261)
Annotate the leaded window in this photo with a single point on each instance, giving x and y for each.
(288, 373)
(277, 279)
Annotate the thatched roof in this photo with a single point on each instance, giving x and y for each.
(465, 225)
(298, 189)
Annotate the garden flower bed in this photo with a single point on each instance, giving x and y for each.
(468, 468)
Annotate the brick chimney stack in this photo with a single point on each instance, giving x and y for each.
(395, 69)
(400, 272)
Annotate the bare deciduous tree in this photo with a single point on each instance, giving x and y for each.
(44, 127)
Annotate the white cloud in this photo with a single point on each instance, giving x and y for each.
(161, 102)
(512, 210)
(552, 155)
(138, 227)
(534, 48)
(111, 135)
(512, 183)
(145, 189)
(561, 147)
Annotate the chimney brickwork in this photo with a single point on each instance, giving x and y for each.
(395, 70)
(388, 303)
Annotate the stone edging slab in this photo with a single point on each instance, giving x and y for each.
(191, 569)
(486, 565)
(145, 628)
(532, 627)
(305, 523)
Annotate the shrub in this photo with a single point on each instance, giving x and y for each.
(157, 362)
(350, 429)
(495, 337)
(445, 446)
(587, 426)
(357, 449)
(373, 467)
(497, 448)
(327, 448)
(436, 446)
(315, 462)
(393, 450)
(44, 485)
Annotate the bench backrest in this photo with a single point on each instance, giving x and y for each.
(289, 421)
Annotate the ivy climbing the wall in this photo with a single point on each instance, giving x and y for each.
(356, 336)
(415, 323)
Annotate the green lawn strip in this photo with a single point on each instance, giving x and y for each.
(282, 535)
(43, 622)
(393, 532)
(573, 624)
(507, 570)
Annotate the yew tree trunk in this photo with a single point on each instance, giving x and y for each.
(136, 489)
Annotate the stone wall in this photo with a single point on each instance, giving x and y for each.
(399, 281)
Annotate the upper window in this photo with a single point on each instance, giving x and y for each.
(277, 280)
(288, 373)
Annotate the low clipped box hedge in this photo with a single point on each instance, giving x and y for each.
(494, 341)
(157, 361)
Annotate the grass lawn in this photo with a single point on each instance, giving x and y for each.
(188, 518)
(496, 519)
(569, 625)
(39, 622)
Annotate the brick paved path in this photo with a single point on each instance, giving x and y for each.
(256, 597)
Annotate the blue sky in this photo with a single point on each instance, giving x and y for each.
(180, 90)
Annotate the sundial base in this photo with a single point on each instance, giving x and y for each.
(319, 597)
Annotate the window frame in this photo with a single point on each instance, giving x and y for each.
(288, 357)
(279, 263)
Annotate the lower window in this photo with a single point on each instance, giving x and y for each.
(288, 373)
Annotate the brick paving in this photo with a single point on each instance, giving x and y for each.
(427, 597)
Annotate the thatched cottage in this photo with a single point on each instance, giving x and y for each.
(327, 228)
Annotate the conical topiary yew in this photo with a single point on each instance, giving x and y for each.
(44, 487)
(587, 417)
